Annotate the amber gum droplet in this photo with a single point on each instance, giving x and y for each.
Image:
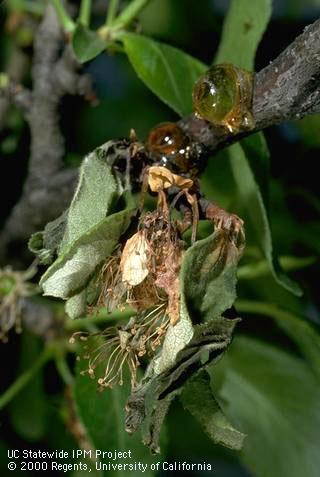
(170, 146)
(223, 96)
(165, 138)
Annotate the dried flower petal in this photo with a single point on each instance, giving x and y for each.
(161, 178)
(134, 260)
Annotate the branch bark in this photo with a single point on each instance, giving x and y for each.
(48, 187)
(287, 89)
(16, 68)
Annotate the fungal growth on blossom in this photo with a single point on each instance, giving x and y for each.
(15, 287)
(129, 243)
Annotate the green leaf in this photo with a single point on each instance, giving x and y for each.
(303, 333)
(86, 44)
(94, 197)
(168, 72)
(258, 156)
(28, 410)
(44, 244)
(257, 269)
(103, 416)
(251, 198)
(149, 402)
(76, 305)
(274, 398)
(71, 272)
(242, 31)
(82, 235)
(208, 288)
(243, 28)
(208, 276)
(209, 414)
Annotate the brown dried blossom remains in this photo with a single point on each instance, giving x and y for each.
(143, 273)
(150, 265)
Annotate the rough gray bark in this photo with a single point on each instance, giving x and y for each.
(17, 65)
(48, 187)
(287, 89)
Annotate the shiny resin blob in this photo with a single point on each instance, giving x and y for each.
(170, 147)
(223, 96)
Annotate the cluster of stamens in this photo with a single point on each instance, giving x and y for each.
(123, 345)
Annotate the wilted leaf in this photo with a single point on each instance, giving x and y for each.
(243, 28)
(273, 397)
(207, 284)
(209, 414)
(208, 288)
(76, 305)
(149, 402)
(86, 44)
(208, 276)
(168, 72)
(71, 272)
(45, 244)
(94, 197)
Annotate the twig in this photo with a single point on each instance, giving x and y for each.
(129, 13)
(17, 65)
(48, 187)
(287, 89)
(16, 94)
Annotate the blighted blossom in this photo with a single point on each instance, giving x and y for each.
(14, 287)
(118, 347)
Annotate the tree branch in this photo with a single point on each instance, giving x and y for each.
(287, 89)
(15, 94)
(48, 187)
(17, 65)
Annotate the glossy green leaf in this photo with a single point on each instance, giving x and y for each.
(168, 72)
(261, 268)
(71, 272)
(302, 332)
(86, 44)
(103, 416)
(252, 201)
(272, 397)
(209, 414)
(258, 156)
(243, 28)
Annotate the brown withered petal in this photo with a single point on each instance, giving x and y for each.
(161, 178)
